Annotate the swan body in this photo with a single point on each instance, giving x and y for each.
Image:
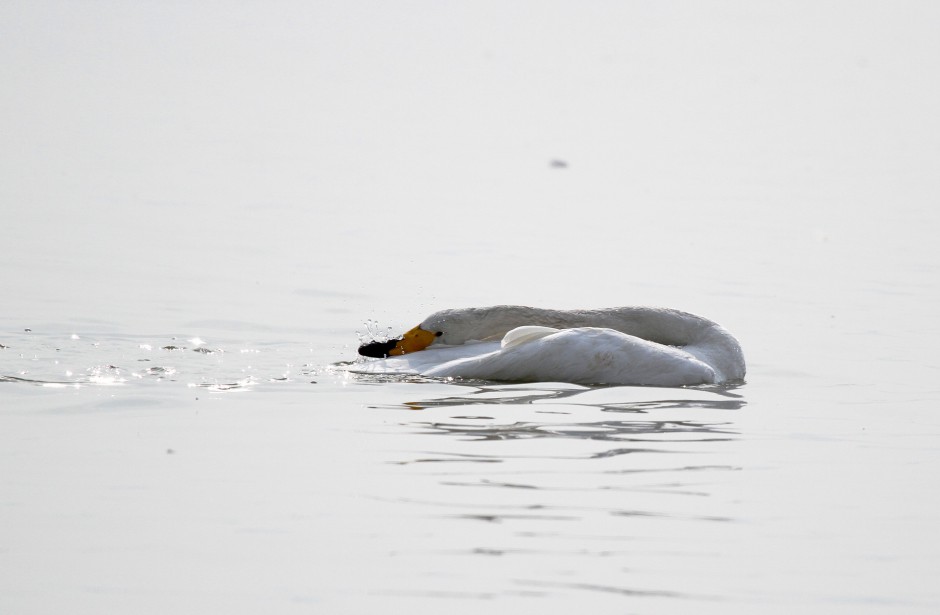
(627, 345)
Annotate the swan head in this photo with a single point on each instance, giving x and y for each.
(414, 340)
(452, 327)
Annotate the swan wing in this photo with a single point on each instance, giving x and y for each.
(585, 355)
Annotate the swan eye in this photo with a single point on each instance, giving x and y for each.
(438, 334)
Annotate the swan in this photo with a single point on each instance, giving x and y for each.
(624, 345)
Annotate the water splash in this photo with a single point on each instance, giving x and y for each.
(374, 333)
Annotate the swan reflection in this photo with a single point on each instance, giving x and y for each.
(628, 431)
(487, 413)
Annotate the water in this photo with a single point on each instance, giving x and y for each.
(202, 207)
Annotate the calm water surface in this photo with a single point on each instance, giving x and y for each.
(140, 473)
(201, 210)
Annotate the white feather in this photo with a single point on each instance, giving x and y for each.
(633, 345)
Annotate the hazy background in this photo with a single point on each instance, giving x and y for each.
(184, 150)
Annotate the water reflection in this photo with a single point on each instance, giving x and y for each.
(550, 478)
(623, 591)
(513, 394)
(621, 431)
(506, 402)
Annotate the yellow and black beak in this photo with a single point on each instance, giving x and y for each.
(412, 341)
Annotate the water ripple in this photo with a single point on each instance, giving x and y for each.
(549, 471)
(608, 431)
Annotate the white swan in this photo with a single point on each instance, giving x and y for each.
(627, 345)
